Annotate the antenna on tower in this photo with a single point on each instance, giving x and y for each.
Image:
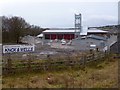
(77, 24)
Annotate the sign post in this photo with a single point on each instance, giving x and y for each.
(10, 49)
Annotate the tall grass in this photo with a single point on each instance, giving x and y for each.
(98, 74)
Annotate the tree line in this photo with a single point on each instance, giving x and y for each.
(15, 27)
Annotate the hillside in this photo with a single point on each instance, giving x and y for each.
(111, 28)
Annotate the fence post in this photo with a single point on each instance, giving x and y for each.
(29, 62)
(83, 62)
(93, 56)
(48, 63)
(9, 64)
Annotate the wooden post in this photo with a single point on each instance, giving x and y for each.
(93, 56)
(83, 62)
(29, 62)
(91, 51)
(9, 64)
(48, 64)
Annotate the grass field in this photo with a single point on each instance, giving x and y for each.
(102, 74)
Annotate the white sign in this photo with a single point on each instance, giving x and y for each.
(18, 48)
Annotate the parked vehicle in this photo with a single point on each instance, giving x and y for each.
(63, 42)
(69, 43)
(92, 47)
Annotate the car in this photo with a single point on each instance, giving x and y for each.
(63, 42)
(92, 47)
(69, 43)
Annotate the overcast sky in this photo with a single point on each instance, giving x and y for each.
(60, 13)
